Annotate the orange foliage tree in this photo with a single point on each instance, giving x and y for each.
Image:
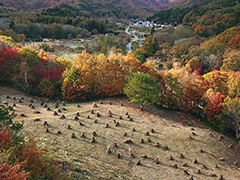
(214, 108)
(43, 55)
(91, 76)
(110, 75)
(80, 77)
(35, 161)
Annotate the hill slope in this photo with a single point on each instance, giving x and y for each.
(91, 161)
(207, 17)
(139, 6)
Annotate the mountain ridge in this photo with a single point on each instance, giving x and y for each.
(141, 6)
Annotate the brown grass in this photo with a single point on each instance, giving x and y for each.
(91, 160)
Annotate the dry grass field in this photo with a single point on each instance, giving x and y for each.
(146, 145)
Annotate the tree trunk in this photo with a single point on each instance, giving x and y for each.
(26, 81)
(236, 123)
(237, 129)
(141, 106)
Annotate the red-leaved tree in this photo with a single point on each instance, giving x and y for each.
(5, 138)
(12, 172)
(9, 60)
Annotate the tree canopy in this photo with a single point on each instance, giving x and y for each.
(142, 88)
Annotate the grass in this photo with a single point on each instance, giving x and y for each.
(88, 160)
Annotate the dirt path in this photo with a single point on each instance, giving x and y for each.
(91, 161)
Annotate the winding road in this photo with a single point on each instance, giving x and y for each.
(129, 45)
(135, 38)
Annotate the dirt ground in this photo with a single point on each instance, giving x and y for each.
(89, 160)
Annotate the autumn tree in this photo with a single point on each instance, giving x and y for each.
(30, 56)
(63, 63)
(149, 68)
(43, 55)
(233, 84)
(191, 83)
(142, 88)
(34, 160)
(173, 94)
(231, 61)
(150, 45)
(9, 63)
(8, 172)
(95, 76)
(7, 41)
(130, 63)
(210, 52)
(80, 77)
(214, 108)
(230, 36)
(217, 80)
(110, 75)
(28, 60)
(5, 137)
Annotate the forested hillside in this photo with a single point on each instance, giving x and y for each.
(207, 18)
(118, 8)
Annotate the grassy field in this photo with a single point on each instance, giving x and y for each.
(99, 159)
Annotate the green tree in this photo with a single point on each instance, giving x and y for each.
(55, 31)
(142, 88)
(44, 86)
(150, 45)
(140, 54)
(7, 114)
(152, 31)
(231, 108)
(11, 25)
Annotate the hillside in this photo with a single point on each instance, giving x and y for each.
(32, 4)
(134, 6)
(205, 155)
(85, 8)
(208, 17)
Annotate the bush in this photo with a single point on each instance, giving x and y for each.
(44, 87)
(46, 47)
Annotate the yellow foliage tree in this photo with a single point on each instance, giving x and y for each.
(217, 80)
(64, 63)
(231, 61)
(233, 84)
